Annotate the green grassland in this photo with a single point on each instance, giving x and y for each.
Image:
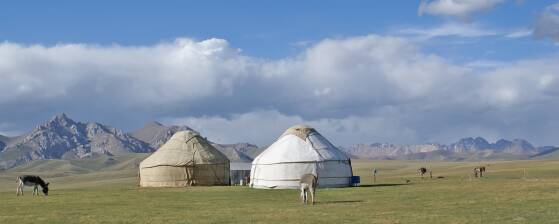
(104, 190)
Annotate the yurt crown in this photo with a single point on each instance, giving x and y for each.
(300, 130)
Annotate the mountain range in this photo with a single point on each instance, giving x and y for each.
(465, 149)
(66, 139)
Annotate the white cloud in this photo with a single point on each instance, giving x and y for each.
(521, 33)
(465, 30)
(357, 89)
(264, 127)
(153, 75)
(530, 82)
(461, 30)
(547, 23)
(456, 8)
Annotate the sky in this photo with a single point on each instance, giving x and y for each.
(243, 71)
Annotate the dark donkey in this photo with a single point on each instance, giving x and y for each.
(422, 171)
(34, 181)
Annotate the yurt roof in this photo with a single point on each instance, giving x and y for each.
(185, 148)
(300, 143)
(299, 130)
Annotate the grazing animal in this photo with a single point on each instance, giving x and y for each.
(308, 184)
(34, 181)
(422, 171)
(479, 171)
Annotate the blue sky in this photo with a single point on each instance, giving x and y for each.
(269, 29)
(360, 71)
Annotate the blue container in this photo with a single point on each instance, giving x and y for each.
(355, 180)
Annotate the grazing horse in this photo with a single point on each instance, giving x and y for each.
(422, 171)
(479, 170)
(308, 183)
(34, 181)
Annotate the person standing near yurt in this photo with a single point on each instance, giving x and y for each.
(301, 150)
(186, 159)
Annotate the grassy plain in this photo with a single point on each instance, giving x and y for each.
(104, 191)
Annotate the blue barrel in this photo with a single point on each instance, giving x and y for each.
(355, 180)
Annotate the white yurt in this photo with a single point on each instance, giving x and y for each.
(187, 159)
(300, 150)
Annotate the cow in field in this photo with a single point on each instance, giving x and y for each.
(32, 181)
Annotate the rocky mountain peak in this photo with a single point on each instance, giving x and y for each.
(61, 119)
(59, 126)
(515, 146)
(521, 146)
(465, 148)
(473, 141)
(471, 144)
(239, 152)
(58, 121)
(61, 116)
(522, 142)
(94, 129)
(502, 144)
(62, 137)
(156, 134)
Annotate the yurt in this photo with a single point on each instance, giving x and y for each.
(300, 150)
(186, 159)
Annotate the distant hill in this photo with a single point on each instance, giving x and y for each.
(548, 153)
(80, 166)
(65, 139)
(464, 149)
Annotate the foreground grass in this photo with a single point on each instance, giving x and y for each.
(505, 195)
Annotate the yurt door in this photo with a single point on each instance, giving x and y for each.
(189, 175)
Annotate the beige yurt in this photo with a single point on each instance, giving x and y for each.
(187, 159)
(300, 150)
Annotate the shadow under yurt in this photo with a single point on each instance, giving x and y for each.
(187, 159)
